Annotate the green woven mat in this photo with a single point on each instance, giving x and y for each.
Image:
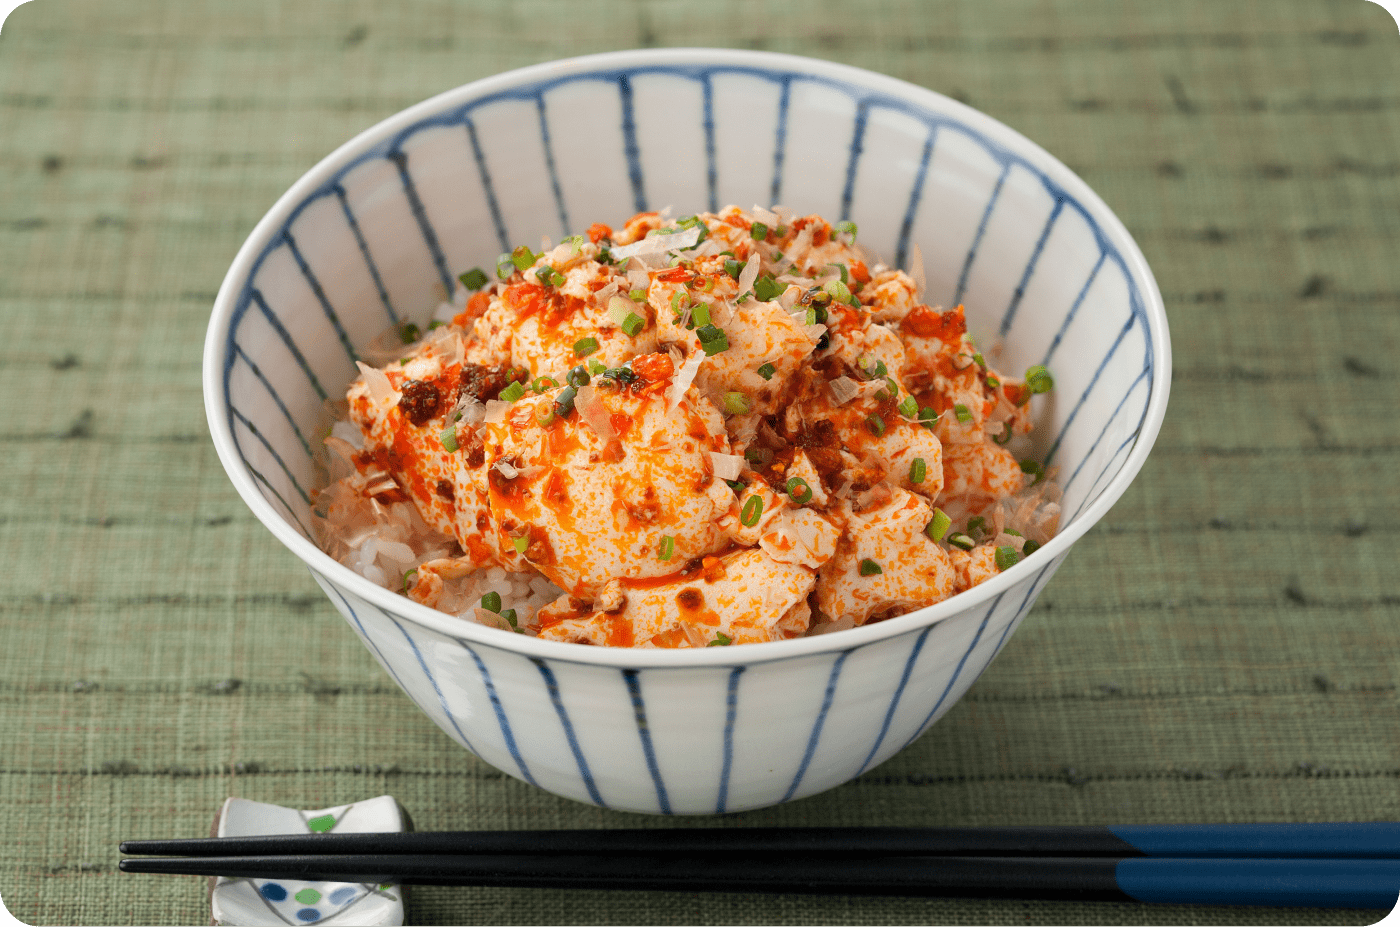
(1235, 614)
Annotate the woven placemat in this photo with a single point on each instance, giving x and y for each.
(1235, 614)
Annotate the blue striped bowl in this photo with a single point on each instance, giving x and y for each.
(377, 231)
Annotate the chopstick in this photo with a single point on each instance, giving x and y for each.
(1327, 865)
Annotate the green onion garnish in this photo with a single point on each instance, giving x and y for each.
(676, 298)
(597, 367)
(405, 579)
(1039, 379)
(510, 617)
(637, 295)
(473, 279)
(545, 416)
(576, 241)
(1034, 468)
(766, 371)
(962, 412)
(633, 324)
(838, 290)
(492, 602)
(847, 228)
(549, 276)
(505, 266)
(522, 257)
(811, 316)
(448, 437)
(766, 288)
(737, 404)
(758, 231)
(543, 383)
(961, 541)
(753, 510)
(938, 525)
(733, 268)
(520, 544)
(918, 470)
(668, 547)
(975, 525)
(721, 640)
(577, 376)
(712, 339)
(1007, 557)
(736, 485)
(908, 407)
(564, 402)
(876, 424)
(992, 381)
(928, 418)
(409, 333)
(869, 567)
(1029, 548)
(799, 490)
(512, 392)
(841, 269)
(585, 346)
(700, 315)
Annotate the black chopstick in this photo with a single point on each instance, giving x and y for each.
(1336, 883)
(1314, 841)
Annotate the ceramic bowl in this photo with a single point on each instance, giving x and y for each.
(377, 232)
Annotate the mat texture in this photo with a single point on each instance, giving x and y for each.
(1238, 612)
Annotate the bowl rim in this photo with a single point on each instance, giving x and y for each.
(262, 237)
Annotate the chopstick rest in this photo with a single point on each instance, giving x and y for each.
(278, 898)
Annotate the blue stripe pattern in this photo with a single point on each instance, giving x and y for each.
(1093, 439)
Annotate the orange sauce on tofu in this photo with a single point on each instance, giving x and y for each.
(948, 327)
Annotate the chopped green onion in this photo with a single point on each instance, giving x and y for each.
(633, 324)
(938, 525)
(908, 407)
(564, 402)
(928, 418)
(918, 470)
(980, 360)
(799, 490)
(676, 298)
(668, 547)
(473, 279)
(512, 392)
(1029, 548)
(549, 276)
(876, 424)
(543, 383)
(975, 525)
(435, 324)
(511, 619)
(708, 285)
(1013, 532)
(597, 367)
(766, 371)
(847, 228)
(405, 579)
(492, 602)
(766, 288)
(753, 510)
(545, 416)
(733, 268)
(712, 339)
(811, 316)
(521, 544)
(869, 567)
(409, 333)
(700, 315)
(962, 412)
(577, 376)
(585, 346)
(1039, 379)
(841, 269)
(1007, 557)
(448, 437)
(637, 295)
(758, 456)
(737, 404)
(961, 541)
(838, 290)
(721, 640)
(1034, 468)
(758, 231)
(505, 265)
(736, 485)
(992, 381)
(523, 257)
(891, 389)
(576, 241)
